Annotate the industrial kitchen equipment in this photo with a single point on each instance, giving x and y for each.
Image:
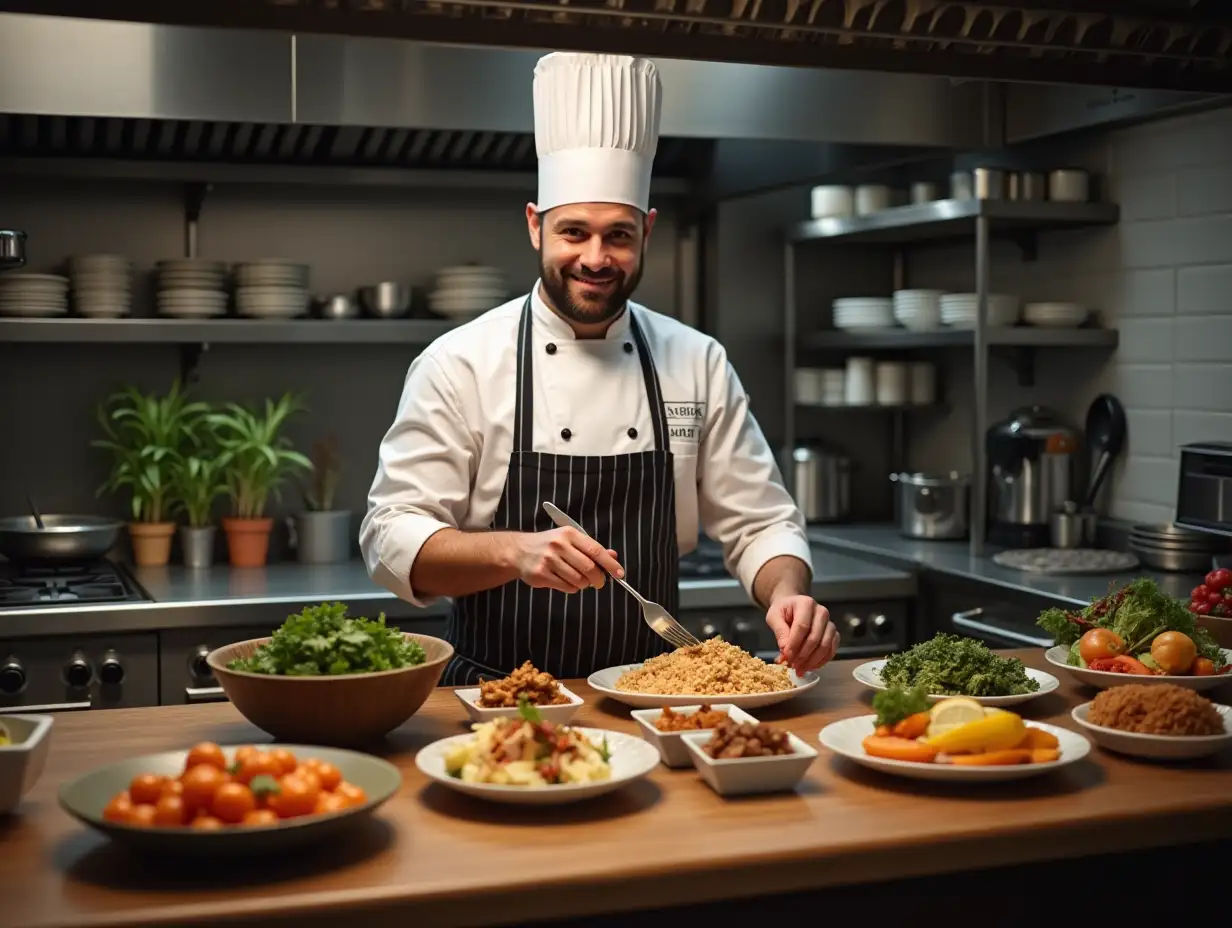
(1033, 459)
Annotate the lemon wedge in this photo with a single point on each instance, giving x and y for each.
(953, 713)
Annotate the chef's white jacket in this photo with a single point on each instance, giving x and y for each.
(444, 460)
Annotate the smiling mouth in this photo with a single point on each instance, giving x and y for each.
(596, 284)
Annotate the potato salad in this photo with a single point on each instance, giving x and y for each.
(527, 751)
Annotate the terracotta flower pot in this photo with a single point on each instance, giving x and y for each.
(248, 541)
(151, 542)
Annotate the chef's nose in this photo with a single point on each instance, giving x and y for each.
(594, 256)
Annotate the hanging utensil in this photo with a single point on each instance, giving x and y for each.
(38, 519)
(1106, 428)
(658, 618)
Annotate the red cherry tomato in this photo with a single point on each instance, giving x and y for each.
(1198, 593)
(1219, 578)
(1202, 608)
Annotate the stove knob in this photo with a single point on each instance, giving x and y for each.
(709, 630)
(78, 673)
(12, 677)
(111, 671)
(197, 664)
(744, 635)
(855, 626)
(882, 625)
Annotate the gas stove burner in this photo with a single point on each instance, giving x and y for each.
(28, 585)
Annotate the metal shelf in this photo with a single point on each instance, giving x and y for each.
(942, 219)
(811, 408)
(1016, 337)
(225, 331)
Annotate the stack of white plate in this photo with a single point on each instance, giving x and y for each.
(102, 284)
(191, 287)
(271, 287)
(25, 294)
(959, 309)
(854, 313)
(1055, 315)
(467, 290)
(918, 310)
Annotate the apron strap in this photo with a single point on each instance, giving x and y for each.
(524, 402)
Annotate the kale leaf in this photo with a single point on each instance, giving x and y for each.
(957, 666)
(324, 641)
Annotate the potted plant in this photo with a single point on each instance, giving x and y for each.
(146, 435)
(198, 479)
(258, 460)
(323, 533)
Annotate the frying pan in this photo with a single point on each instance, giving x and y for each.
(1106, 436)
(63, 538)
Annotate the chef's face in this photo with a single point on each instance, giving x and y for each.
(590, 257)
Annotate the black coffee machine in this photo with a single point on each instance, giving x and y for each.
(12, 249)
(1033, 458)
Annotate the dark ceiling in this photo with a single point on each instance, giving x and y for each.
(1163, 44)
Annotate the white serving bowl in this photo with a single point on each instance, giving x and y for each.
(22, 762)
(671, 743)
(1103, 679)
(742, 776)
(469, 697)
(1156, 747)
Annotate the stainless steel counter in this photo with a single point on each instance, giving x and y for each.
(952, 557)
(222, 596)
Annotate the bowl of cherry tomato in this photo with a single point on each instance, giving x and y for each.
(228, 800)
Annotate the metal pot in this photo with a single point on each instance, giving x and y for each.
(386, 300)
(197, 544)
(322, 536)
(1032, 463)
(933, 506)
(63, 538)
(1069, 185)
(1027, 185)
(12, 248)
(336, 306)
(821, 484)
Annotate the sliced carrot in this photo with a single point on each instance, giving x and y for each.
(883, 731)
(1045, 755)
(905, 749)
(1038, 738)
(913, 726)
(993, 758)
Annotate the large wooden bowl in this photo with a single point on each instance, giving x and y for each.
(339, 711)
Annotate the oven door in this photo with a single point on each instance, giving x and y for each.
(1000, 629)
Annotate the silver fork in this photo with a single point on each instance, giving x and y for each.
(654, 615)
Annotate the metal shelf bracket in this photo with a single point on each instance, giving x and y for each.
(190, 361)
(194, 198)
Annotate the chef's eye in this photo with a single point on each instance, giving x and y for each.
(620, 236)
(573, 234)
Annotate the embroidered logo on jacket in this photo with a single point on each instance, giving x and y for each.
(684, 420)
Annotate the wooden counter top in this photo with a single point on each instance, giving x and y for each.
(433, 857)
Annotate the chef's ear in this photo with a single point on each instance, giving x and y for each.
(648, 224)
(534, 225)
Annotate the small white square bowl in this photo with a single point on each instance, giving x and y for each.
(469, 697)
(22, 762)
(742, 776)
(671, 748)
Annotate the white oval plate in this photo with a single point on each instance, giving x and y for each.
(1156, 747)
(604, 681)
(631, 759)
(1103, 679)
(870, 675)
(846, 738)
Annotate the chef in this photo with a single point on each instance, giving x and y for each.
(631, 422)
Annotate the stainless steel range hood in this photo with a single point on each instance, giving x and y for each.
(97, 88)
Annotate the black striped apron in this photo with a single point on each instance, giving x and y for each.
(624, 501)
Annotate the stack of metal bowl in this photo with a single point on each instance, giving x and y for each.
(1172, 548)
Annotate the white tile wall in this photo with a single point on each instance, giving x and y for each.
(1162, 276)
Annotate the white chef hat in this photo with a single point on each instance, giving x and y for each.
(596, 128)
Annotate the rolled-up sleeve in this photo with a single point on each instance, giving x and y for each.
(423, 478)
(742, 502)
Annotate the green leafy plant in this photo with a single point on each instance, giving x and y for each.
(258, 458)
(146, 436)
(197, 480)
(326, 471)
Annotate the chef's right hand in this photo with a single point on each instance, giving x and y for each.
(563, 559)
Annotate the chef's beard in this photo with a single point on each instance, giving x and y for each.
(589, 311)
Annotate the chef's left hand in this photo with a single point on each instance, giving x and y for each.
(806, 637)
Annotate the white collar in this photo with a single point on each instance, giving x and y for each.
(556, 327)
